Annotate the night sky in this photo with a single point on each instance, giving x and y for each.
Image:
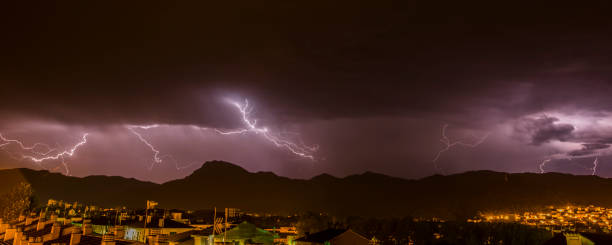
(359, 86)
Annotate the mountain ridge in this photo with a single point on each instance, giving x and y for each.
(224, 184)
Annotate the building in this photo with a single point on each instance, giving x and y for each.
(78, 238)
(51, 202)
(39, 231)
(193, 237)
(233, 212)
(284, 235)
(242, 234)
(579, 239)
(332, 237)
(245, 234)
(136, 230)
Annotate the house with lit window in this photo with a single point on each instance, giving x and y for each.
(245, 234)
(242, 234)
(138, 231)
(32, 230)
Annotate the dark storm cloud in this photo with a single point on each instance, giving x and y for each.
(350, 76)
(588, 149)
(595, 146)
(171, 62)
(544, 129)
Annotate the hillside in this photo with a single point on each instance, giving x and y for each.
(222, 184)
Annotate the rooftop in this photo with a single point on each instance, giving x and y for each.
(85, 240)
(168, 223)
(322, 236)
(185, 236)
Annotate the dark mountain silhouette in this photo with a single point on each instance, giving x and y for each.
(223, 184)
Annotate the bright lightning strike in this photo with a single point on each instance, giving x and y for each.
(595, 162)
(157, 159)
(448, 144)
(561, 156)
(251, 127)
(32, 148)
(245, 110)
(38, 157)
(66, 153)
(543, 164)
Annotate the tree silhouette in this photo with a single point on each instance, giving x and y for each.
(18, 201)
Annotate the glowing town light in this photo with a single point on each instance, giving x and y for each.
(448, 144)
(251, 127)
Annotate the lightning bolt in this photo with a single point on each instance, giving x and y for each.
(46, 155)
(157, 159)
(66, 153)
(250, 124)
(28, 148)
(65, 164)
(595, 162)
(561, 156)
(543, 164)
(448, 144)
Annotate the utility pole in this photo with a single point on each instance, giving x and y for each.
(214, 224)
(225, 226)
(144, 234)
